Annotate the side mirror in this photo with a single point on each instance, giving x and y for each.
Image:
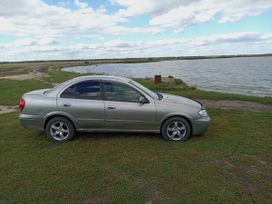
(143, 100)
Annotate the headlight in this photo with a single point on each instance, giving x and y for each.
(203, 113)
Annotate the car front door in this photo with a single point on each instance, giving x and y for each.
(123, 111)
(83, 101)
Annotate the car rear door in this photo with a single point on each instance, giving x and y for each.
(83, 101)
(123, 111)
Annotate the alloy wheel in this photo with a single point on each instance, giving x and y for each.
(59, 131)
(176, 130)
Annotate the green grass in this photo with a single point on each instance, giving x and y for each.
(57, 76)
(12, 90)
(26, 67)
(232, 163)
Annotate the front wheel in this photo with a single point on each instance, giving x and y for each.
(60, 129)
(176, 129)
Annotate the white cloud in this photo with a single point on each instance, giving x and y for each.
(34, 17)
(140, 7)
(174, 13)
(198, 12)
(35, 42)
(121, 30)
(232, 43)
(234, 38)
(46, 31)
(205, 10)
(80, 4)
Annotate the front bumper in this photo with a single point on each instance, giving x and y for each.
(201, 125)
(31, 121)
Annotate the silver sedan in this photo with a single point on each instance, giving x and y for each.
(110, 103)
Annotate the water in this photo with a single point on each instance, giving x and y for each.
(245, 75)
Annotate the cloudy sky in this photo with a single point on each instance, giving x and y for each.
(80, 29)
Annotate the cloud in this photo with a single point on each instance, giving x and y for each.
(34, 17)
(140, 7)
(174, 13)
(206, 10)
(75, 29)
(80, 4)
(234, 38)
(231, 43)
(36, 42)
(121, 30)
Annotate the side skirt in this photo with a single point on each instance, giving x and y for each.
(118, 130)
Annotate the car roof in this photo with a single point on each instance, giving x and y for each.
(102, 77)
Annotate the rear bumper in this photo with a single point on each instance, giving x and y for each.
(200, 126)
(31, 121)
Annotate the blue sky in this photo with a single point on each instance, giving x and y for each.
(88, 29)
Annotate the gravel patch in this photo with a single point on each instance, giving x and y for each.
(236, 105)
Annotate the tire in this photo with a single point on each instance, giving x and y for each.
(60, 129)
(176, 129)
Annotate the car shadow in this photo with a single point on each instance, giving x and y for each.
(110, 135)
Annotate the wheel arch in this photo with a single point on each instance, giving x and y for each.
(58, 114)
(176, 115)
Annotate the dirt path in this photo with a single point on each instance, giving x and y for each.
(223, 104)
(34, 74)
(7, 109)
(236, 105)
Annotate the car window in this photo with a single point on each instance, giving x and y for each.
(83, 90)
(144, 89)
(120, 92)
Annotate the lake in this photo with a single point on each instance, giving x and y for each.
(243, 75)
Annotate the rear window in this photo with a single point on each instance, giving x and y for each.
(83, 90)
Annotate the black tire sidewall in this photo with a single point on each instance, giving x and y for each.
(64, 120)
(172, 119)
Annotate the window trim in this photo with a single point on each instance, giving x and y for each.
(122, 83)
(92, 80)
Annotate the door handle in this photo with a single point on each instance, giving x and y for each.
(66, 104)
(111, 107)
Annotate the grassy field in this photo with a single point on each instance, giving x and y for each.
(231, 163)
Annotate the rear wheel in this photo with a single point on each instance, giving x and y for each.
(60, 129)
(176, 129)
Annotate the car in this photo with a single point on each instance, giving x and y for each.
(100, 103)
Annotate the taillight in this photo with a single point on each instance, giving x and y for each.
(22, 104)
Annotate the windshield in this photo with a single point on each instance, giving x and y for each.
(144, 89)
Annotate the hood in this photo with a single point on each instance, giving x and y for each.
(168, 98)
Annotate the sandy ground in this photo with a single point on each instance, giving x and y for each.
(223, 104)
(34, 74)
(7, 109)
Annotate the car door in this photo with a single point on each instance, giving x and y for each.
(123, 111)
(83, 101)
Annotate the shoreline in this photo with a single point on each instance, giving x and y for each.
(141, 59)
